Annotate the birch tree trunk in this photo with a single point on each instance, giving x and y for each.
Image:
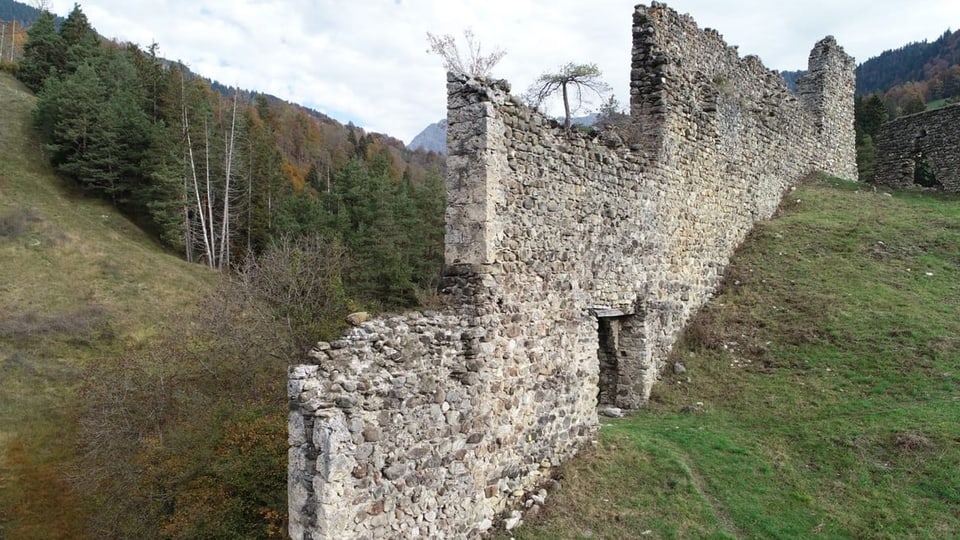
(209, 235)
(228, 167)
(196, 185)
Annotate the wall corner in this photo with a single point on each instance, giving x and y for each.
(476, 164)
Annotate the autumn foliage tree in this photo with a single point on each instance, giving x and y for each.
(13, 36)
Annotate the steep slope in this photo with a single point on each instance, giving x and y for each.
(78, 282)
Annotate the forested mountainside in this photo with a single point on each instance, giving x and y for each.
(218, 173)
(920, 61)
(925, 68)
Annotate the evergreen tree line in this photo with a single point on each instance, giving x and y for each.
(222, 175)
(870, 113)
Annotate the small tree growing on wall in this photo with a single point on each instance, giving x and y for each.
(578, 76)
(474, 63)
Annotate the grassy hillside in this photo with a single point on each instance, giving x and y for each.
(78, 283)
(821, 395)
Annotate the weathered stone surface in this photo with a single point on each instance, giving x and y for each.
(358, 318)
(551, 237)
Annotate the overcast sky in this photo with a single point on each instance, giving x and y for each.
(365, 61)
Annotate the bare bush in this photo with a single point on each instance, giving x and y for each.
(15, 224)
(299, 281)
(474, 62)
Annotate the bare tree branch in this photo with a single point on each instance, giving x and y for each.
(475, 64)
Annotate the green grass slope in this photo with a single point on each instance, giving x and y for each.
(78, 283)
(821, 397)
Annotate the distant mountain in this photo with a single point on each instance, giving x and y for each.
(24, 14)
(433, 138)
(791, 78)
(587, 120)
(914, 62)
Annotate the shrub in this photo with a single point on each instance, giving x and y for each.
(15, 224)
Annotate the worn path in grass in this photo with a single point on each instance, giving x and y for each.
(78, 283)
(822, 391)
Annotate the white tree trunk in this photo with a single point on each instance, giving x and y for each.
(212, 244)
(196, 191)
(225, 218)
(196, 184)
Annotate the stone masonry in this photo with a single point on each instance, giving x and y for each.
(573, 261)
(929, 136)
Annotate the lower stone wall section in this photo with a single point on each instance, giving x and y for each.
(429, 424)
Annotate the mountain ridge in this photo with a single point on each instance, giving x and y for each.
(913, 62)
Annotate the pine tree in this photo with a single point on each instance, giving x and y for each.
(43, 54)
(570, 78)
(869, 114)
(79, 39)
(73, 104)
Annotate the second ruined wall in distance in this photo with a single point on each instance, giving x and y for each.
(928, 137)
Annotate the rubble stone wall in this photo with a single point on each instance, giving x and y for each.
(929, 137)
(432, 424)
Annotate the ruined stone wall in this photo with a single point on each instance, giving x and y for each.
(929, 137)
(431, 424)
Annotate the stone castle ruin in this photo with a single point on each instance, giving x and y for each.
(920, 149)
(572, 264)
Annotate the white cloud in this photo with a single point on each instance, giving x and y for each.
(366, 61)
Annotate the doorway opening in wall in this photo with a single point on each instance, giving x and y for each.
(609, 354)
(923, 173)
(621, 358)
